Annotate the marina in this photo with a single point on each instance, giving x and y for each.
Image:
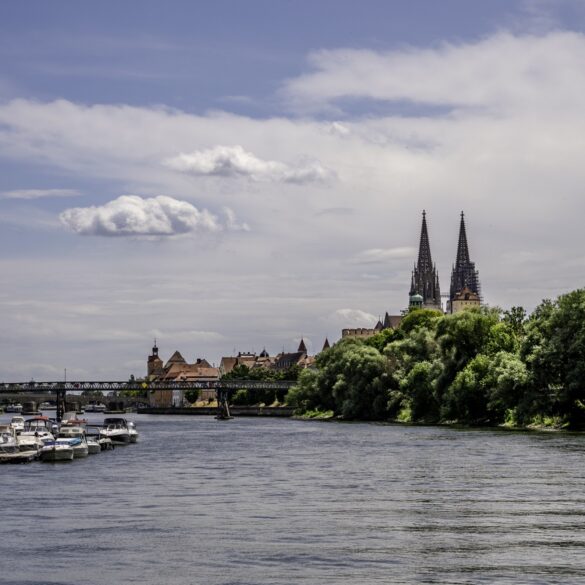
(48, 440)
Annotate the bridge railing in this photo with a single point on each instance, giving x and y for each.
(143, 385)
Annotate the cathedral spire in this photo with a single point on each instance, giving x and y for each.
(425, 279)
(462, 249)
(464, 274)
(425, 261)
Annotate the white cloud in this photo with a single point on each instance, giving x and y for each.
(39, 193)
(380, 255)
(234, 161)
(131, 215)
(353, 318)
(232, 222)
(500, 71)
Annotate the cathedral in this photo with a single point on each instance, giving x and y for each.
(425, 291)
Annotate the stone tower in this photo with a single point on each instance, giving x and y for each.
(154, 364)
(464, 274)
(425, 278)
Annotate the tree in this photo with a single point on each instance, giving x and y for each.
(419, 388)
(351, 380)
(420, 318)
(380, 340)
(554, 350)
(192, 395)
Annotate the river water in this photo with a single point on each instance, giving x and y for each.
(276, 501)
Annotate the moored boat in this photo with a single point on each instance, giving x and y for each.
(40, 426)
(116, 429)
(8, 444)
(17, 423)
(93, 445)
(57, 450)
(15, 450)
(76, 436)
(16, 407)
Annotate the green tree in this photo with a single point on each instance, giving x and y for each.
(554, 350)
(420, 318)
(419, 389)
(351, 380)
(192, 395)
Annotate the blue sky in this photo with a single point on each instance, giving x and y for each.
(236, 175)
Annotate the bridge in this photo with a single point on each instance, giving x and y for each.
(224, 389)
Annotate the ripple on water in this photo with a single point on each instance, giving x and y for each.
(280, 501)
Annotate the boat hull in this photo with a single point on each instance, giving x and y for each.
(60, 453)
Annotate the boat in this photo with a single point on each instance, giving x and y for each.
(70, 417)
(95, 407)
(133, 432)
(93, 445)
(116, 429)
(29, 446)
(13, 450)
(40, 426)
(57, 450)
(47, 406)
(93, 432)
(8, 444)
(76, 433)
(17, 423)
(16, 407)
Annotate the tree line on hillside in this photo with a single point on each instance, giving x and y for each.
(480, 366)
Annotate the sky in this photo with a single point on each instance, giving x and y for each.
(231, 176)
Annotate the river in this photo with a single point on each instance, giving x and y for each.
(277, 502)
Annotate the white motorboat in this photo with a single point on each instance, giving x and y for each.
(57, 450)
(116, 429)
(40, 426)
(29, 446)
(8, 445)
(47, 406)
(17, 407)
(76, 436)
(14, 451)
(133, 432)
(17, 423)
(95, 407)
(93, 445)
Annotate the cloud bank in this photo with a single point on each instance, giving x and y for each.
(131, 215)
(500, 71)
(234, 161)
(38, 193)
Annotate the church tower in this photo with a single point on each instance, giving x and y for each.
(464, 276)
(154, 365)
(425, 278)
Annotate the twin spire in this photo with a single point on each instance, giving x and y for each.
(425, 277)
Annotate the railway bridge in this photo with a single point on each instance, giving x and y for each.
(134, 391)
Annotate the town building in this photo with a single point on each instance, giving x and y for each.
(177, 369)
(464, 299)
(390, 322)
